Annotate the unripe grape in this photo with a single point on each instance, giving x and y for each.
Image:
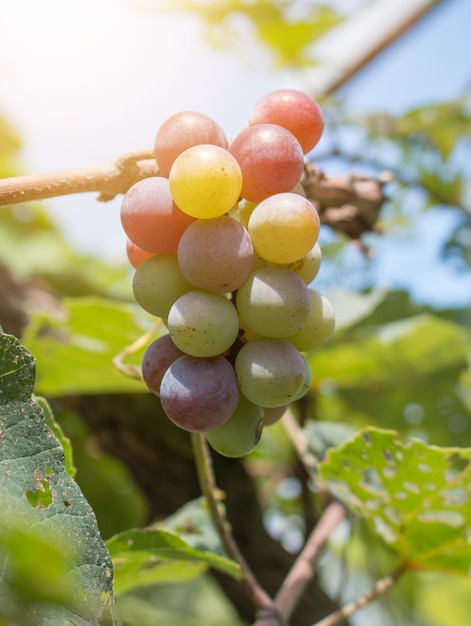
(273, 302)
(203, 324)
(199, 394)
(319, 327)
(158, 282)
(241, 433)
(270, 372)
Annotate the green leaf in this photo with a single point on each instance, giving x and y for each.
(91, 333)
(321, 436)
(43, 512)
(412, 347)
(150, 557)
(416, 497)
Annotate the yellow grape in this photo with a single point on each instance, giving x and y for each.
(284, 228)
(205, 181)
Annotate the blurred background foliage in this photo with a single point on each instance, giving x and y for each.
(395, 361)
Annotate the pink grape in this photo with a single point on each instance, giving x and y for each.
(293, 110)
(216, 254)
(199, 394)
(181, 131)
(150, 217)
(271, 160)
(158, 357)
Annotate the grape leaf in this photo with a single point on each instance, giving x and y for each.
(94, 330)
(150, 557)
(415, 496)
(43, 512)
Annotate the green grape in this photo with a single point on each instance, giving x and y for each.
(319, 327)
(306, 268)
(273, 302)
(284, 227)
(241, 433)
(203, 324)
(205, 181)
(158, 282)
(270, 372)
(307, 380)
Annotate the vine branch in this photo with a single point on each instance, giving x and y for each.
(262, 601)
(381, 587)
(348, 204)
(107, 180)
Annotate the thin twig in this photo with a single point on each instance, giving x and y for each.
(381, 587)
(262, 601)
(129, 370)
(108, 180)
(303, 569)
(308, 459)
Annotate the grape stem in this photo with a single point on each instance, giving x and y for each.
(262, 601)
(131, 370)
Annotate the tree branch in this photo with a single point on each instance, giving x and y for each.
(303, 569)
(262, 601)
(381, 587)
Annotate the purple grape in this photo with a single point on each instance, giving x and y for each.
(199, 394)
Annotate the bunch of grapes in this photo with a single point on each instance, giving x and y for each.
(224, 244)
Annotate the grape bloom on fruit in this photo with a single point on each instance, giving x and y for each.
(224, 247)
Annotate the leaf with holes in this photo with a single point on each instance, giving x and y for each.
(55, 567)
(415, 496)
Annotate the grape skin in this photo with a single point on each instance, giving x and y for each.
(158, 282)
(216, 254)
(295, 111)
(306, 268)
(205, 181)
(284, 228)
(199, 394)
(270, 372)
(319, 326)
(270, 158)
(181, 131)
(203, 324)
(158, 357)
(241, 433)
(273, 302)
(150, 217)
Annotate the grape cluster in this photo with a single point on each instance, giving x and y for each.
(224, 246)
